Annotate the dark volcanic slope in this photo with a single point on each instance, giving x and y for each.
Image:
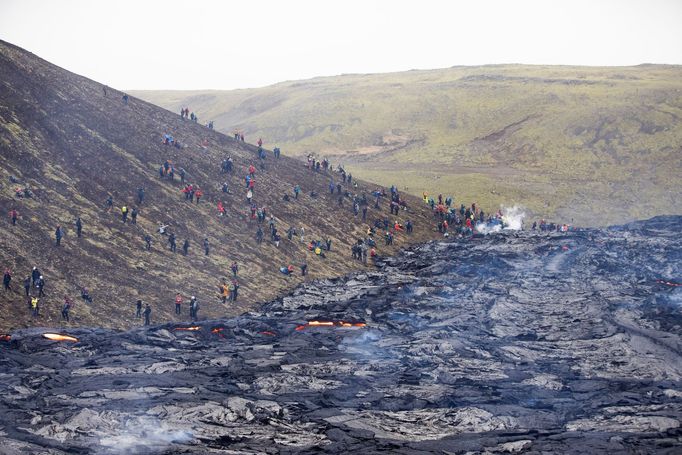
(558, 343)
(74, 145)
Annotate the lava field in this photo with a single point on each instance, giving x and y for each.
(516, 342)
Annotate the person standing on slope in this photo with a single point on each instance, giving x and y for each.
(6, 279)
(79, 226)
(178, 303)
(193, 308)
(58, 234)
(147, 314)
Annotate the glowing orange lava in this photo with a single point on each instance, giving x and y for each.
(268, 333)
(217, 330)
(4, 337)
(59, 337)
(188, 329)
(330, 324)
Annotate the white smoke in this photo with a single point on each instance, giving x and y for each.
(488, 228)
(512, 217)
(144, 434)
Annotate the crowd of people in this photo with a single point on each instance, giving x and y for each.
(391, 222)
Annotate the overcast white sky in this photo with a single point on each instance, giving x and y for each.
(169, 44)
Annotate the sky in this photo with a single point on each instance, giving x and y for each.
(194, 44)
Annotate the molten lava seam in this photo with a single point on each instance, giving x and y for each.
(330, 324)
(59, 337)
(4, 337)
(188, 329)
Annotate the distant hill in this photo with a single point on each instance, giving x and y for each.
(592, 145)
(74, 142)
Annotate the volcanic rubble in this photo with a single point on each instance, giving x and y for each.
(509, 343)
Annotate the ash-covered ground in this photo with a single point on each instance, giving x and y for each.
(514, 342)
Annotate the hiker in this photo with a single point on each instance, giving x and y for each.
(260, 142)
(231, 289)
(198, 193)
(124, 214)
(224, 292)
(6, 279)
(178, 303)
(148, 242)
(288, 270)
(185, 247)
(408, 227)
(138, 309)
(182, 175)
(259, 235)
(297, 190)
(140, 196)
(58, 234)
(133, 216)
(85, 295)
(235, 292)
(66, 308)
(35, 307)
(35, 275)
(304, 269)
(40, 285)
(27, 285)
(13, 216)
(125, 99)
(147, 314)
(221, 208)
(193, 308)
(329, 244)
(364, 213)
(171, 242)
(235, 268)
(276, 151)
(206, 246)
(79, 226)
(109, 203)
